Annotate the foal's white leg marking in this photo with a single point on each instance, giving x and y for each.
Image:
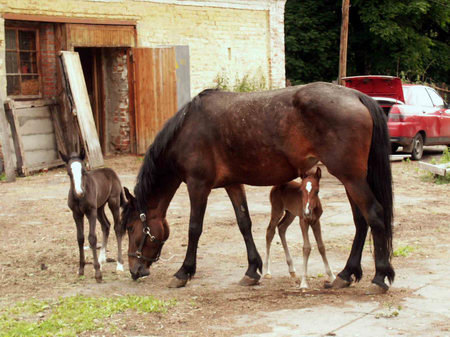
(76, 167)
(266, 265)
(119, 266)
(102, 257)
(289, 261)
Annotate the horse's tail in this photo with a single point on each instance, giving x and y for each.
(379, 175)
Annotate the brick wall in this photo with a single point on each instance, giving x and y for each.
(234, 37)
(48, 60)
(117, 102)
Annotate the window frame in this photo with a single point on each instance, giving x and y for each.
(18, 51)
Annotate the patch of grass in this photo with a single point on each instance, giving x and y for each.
(403, 251)
(389, 312)
(70, 316)
(2, 176)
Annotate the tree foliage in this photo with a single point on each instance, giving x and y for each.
(407, 38)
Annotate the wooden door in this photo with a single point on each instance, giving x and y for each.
(155, 92)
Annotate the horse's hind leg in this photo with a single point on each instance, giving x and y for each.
(282, 227)
(106, 225)
(79, 221)
(92, 217)
(114, 206)
(360, 193)
(321, 247)
(236, 194)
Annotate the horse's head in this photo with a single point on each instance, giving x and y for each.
(310, 192)
(146, 236)
(76, 169)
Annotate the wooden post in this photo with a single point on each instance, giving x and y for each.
(344, 39)
(6, 148)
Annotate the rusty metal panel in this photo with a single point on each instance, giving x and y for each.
(155, 92)
(84, 35)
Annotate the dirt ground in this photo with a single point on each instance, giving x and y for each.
(37, 229)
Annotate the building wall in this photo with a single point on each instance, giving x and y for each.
(226, 38)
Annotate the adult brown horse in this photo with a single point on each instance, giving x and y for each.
(224, 139)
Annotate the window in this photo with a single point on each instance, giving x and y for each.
(437, 100)
(417, 95)
(22, 58)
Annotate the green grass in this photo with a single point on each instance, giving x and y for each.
(2, 176)
(248, 82)
(403, 251)
(70, 316)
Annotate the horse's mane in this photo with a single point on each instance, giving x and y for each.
(152, 168)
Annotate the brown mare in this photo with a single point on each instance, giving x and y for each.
(225, 139)
(289, 201)
(89, 192)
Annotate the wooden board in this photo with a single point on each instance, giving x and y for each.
(440, 169)
(155, 92)
(33, 135)
(82, 106)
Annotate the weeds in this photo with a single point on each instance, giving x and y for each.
(438, 179)
(247, 83)
(70, 316)
(2, 176)
(389, 312)
(403, 251)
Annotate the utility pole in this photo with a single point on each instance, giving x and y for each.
(344, 40)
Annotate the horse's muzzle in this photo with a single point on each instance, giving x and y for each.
(140, 271)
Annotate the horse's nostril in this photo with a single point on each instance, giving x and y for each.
(134, 276)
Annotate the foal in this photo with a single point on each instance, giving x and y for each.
(89, 192)
(297, 200)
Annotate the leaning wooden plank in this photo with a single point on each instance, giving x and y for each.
(16, 136)
(440, 169)
(74, 74)
(6, 149)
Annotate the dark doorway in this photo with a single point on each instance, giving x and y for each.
(91, 62)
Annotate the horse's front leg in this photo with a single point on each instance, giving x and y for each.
(239, 201)
(92, 218)
(198, 196)
(79, 217)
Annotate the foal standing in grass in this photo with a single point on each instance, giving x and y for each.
(294, 199)
(89, 192)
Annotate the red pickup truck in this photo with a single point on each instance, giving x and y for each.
(418, 116)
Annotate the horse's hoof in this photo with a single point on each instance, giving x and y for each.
(292, 273)
(268, 276)
(378, 287)
(338, 283)
(177, 283)
(248, 281)
(98, 279)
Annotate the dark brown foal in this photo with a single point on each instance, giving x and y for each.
(293, 199)
(89, 192)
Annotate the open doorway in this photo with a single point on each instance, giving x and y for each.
(91, 62)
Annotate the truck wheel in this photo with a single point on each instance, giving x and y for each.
(417, 150)
(394, 147)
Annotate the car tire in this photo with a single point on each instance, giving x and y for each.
(394, 148)
(417, 150)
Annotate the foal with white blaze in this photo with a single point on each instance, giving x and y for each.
(89, 192)
(293, 199)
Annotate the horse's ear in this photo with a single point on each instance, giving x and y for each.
(63, 157)
(82, 154)
(130, 198)
(318, 173)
